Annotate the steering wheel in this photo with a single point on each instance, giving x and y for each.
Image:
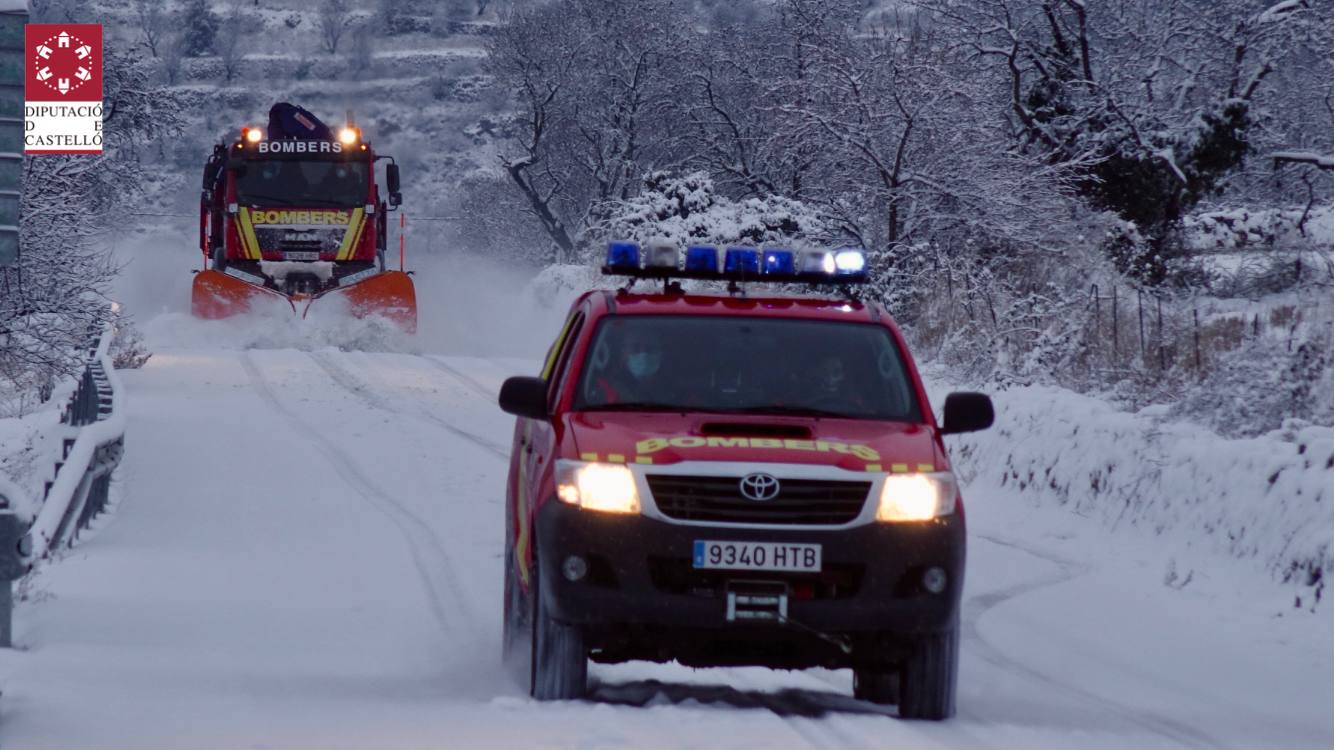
(827, 402)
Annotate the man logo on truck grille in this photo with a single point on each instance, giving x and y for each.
(759, 487)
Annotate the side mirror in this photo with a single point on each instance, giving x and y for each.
(967, 412)
(524, 397)
(391, 179)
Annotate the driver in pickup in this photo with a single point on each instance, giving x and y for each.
(631, 374)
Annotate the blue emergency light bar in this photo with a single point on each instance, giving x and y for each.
(845, 265)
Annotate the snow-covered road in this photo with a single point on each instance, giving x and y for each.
(306, 553)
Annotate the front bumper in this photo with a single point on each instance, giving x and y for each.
(640, 576)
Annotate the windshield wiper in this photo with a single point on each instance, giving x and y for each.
(797, 411)
(636, 406)
(289, 202)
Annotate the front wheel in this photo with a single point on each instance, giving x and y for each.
(927, 683)
(559, 666)
(515, 615)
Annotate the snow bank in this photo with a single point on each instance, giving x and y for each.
(556, 287)
(1264, 228)
(278, 328)
(1269, 499)
(20, 454)
(29, 447)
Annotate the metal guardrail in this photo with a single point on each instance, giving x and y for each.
(94, 421)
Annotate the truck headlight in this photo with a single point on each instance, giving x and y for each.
(917, 497)
(609, 488)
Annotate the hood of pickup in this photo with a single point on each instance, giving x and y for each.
(658, 438)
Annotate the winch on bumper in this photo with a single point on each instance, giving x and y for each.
(629, 582)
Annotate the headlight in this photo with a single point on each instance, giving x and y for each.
(606, 487)
(917, 497)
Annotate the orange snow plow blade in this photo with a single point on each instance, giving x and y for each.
(390, 294)
(216, 295)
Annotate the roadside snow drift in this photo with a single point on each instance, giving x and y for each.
(1268, 499)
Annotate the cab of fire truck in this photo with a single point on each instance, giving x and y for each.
(299, 217)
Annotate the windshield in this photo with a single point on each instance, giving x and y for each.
(302, 183)
(746, 366)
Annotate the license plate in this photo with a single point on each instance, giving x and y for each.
(301, 255)
(792, 558)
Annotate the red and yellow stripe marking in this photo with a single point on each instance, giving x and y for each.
(521, 513)
(246, 230)
(352, 237)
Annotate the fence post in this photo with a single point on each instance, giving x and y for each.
(1198, 366)
(1162, 348)
(6, 614)
(1116, 327)
(11, 569)
(1139, 298)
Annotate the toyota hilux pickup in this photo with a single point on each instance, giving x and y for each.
(723, 479)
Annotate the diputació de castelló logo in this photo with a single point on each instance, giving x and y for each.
(62, 88)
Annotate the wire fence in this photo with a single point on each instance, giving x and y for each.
(1137, 332)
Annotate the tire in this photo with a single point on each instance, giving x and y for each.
(930, 672)
(514, 619)
(875, 685)
(559, 667)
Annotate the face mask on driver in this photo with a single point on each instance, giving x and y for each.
(643, 364)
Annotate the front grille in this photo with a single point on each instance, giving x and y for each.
(301, 245)
(815, 502)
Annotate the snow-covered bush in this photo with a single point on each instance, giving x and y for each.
(687, 209)
(1277, 374)
(1264, 498)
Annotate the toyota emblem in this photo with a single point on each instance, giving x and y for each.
(759, 487)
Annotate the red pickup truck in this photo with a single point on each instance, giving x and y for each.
(723, 479)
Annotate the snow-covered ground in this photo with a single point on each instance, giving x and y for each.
(305, 551)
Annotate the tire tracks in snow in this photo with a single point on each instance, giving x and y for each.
(474, 385)
(805, 713)
(355, 385)
(976, 607)
(434, 566)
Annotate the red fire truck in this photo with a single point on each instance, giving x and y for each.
(296, 213)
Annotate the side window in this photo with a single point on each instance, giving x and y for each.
(561, 362)
(549, 364)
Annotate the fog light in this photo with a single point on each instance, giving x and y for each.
(575, 568)
(933, 580)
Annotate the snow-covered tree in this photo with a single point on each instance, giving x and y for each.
(1155, 101)
(686, 209)
(333, 18)
(597, 86)
(153, 21)
(199, 24)
(55, 296)
(233, 39)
